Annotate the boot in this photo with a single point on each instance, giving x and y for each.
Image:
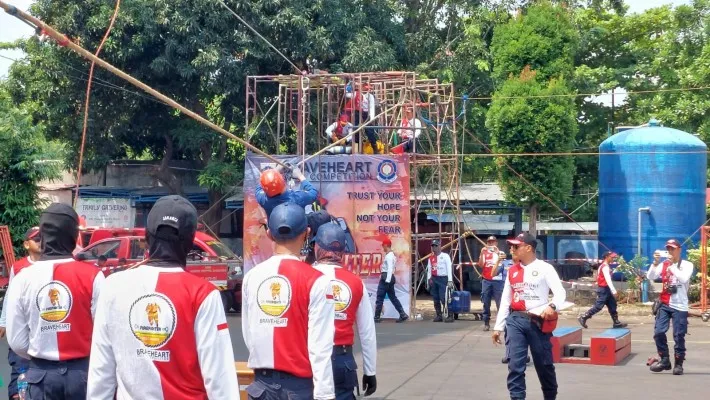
(678, 369)
(582, 319)
(664, 364)
(617, 323)
(437, 308)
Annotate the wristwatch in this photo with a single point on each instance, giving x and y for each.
(552, 306)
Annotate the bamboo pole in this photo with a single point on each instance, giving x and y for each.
(63, 41)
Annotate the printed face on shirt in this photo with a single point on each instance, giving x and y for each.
(342, 297)
(54, 302)
(153, 320)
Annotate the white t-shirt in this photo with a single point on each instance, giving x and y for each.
(388, 265)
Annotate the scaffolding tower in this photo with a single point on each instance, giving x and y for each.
(307, 104)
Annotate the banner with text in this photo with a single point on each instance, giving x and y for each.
(106, 212)
(368, 195)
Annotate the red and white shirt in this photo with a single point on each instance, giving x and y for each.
(287, 321)
(673, 274)
(440, 266)
(527, 288)
(51, 307)
(411, 128)
(18, 266)
(352, 306)
(489, 260)
(161, 333)
(604, 278)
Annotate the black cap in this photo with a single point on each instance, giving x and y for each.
(176, 212)
(435, 242)
(524, 238)
(492, 239)
(287, 221)
(330, 237)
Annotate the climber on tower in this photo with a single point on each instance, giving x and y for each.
(271, 190)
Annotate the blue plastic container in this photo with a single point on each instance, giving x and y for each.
(661, 168)
(460, 302)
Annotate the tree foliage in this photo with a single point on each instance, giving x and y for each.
(26, 158)
(197, 53)
(533, 125)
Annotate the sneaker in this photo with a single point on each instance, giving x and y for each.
(449, 319)
(403, 318)
(377, 320)
(438, 318)
(486, 328)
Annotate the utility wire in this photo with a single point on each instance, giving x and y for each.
(259, 35)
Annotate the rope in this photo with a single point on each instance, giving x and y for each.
(259, 35)
(63, 41)
(527, 182)
(344, 139)
(88, 97)
(573, 95)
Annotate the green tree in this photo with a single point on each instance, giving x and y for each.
(533, 125)
(544, 38)
(198, 54)
(26, 158)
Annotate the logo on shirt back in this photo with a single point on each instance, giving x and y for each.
(274, 297)
(54, 302)
(153, 319)
(342, 297)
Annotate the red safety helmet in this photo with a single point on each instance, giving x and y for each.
(272, 182)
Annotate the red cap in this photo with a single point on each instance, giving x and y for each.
(672, 243)
(387, 242)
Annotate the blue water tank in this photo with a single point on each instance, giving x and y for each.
(660, 168)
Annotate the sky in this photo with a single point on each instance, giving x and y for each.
(12, 29)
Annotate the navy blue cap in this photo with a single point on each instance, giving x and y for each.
(287, 221)
(330, 237)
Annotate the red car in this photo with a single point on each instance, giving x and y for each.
(115, 248)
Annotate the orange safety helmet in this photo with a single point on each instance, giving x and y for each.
(272, 182)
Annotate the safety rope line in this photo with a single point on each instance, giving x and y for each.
(63, 41)
(574, 95)
(260, 36)
(527, 182)
(87, 100)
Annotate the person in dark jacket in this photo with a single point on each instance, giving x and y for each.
(271, 190)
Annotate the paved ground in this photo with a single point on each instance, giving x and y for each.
(424, 360)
